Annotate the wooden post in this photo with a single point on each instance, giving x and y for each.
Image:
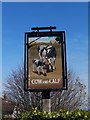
(46, 101)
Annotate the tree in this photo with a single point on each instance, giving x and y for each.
(14, 89)
(70, 99)
(73, 98)
(59, 39)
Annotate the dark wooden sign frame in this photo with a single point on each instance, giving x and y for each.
(26, 47)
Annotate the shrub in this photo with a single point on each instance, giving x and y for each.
(60, 115)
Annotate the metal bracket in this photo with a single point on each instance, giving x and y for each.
(43, 28)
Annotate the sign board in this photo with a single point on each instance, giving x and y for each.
(45, 61)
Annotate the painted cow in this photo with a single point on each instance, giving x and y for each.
(48, 52)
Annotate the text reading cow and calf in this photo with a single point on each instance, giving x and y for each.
(41, 81)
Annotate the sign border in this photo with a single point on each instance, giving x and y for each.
(27, 35)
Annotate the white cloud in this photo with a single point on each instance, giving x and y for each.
(42, 39)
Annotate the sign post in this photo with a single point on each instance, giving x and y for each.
(45, 67)
(46, 101)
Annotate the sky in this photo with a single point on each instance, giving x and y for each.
(1, 48)
(20, 17)
(45, 0)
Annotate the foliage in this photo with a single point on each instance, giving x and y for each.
(71, 99)
(14, 90)
(60, 115)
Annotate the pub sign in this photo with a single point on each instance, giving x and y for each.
(45, 65)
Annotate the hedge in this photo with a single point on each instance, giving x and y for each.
(60, 115)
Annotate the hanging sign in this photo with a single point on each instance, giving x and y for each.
(45, 61)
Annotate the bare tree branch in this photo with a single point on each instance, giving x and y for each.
(70, 99)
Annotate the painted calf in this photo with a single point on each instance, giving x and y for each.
(39, 67)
